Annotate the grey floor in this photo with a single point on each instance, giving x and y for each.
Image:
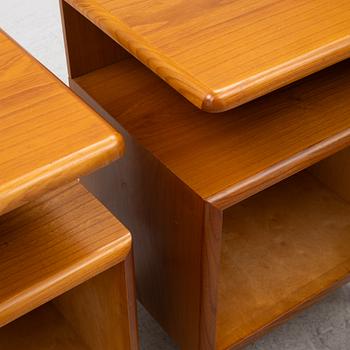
(35, 24)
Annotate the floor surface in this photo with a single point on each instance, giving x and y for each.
(35, 24)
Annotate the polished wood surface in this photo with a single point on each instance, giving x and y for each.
(96, 50)
(42, 329)
(282, 248)
(227, 159)
(221, 54)
(53, 244)
(49, 137)
(101, 311)
(184, 167)
(167, 237)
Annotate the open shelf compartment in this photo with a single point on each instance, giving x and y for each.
(41, 329)
(64, 279)
(281, 249)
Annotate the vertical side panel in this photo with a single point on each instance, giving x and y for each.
(87, 47)
(335, 173)
(210, 275)
(99, 311)
(167, 223)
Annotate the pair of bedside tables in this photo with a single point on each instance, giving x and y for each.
(239, 219)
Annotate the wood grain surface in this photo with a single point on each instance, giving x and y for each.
(101, 311)
(282, 249)
(49, 137)
(221, 54)
(228, 158)
(335, 173)
(53, 244)
(167, 237)
(42, 329)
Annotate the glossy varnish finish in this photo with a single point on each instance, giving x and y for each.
(220, 54)
(48, 135)
(242, 151)
(53, 244)
(184, 167)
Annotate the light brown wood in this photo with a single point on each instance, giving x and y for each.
(335, 173)
(49, 137)
(211, 257)
(96, 50)
(53, 244)
(100, 309)
(240, 153)
(42, 329)
(220, 54)
(166, 235)
(282, 248)
(184, 167)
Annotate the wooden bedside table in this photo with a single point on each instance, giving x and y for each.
(221, 257)
(66, 263)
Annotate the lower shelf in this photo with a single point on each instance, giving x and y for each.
(282, 248)
(42, 329)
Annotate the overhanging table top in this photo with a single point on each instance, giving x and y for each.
(48, 136)
(221, 54)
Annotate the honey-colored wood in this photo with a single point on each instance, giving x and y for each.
(211, 257)
(42, 329)
(87, 47)
(53, 244)
(335, 173)
(49, 137)
(167, 237)
(100, 309)
(240, 153)
(221, 54)
(282, 248)
(184, 167)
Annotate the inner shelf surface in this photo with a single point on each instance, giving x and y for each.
(42, 329)
(236, 154)
(282, 248)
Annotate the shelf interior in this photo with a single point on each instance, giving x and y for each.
(42, 329)
(255, 145)
(282, 248)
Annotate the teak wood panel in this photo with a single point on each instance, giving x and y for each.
(49, 136)
(281, 250)
(92, 316)
(221, 54)
(53, 244)
(335, 173)
(42, 329)
(227, 159)
(166, 221)
(176, 229)
(102, 311)
(87, 47)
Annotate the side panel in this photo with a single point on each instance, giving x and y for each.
(100, 310)
(210, 275)
(166, 220)
(87, 48)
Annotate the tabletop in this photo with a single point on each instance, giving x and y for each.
(49, 137)
(222, 53)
